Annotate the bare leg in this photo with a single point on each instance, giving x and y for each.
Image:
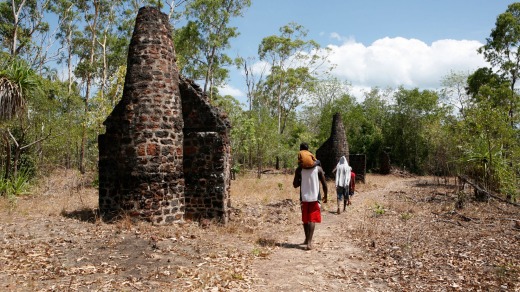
(345, 199)
(339, 206)
(306, 230)
(311, 233)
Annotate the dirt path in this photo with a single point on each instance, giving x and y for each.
(388, 240)
(335, 264)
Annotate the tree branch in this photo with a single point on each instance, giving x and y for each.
(37, 141)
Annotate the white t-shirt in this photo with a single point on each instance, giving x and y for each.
(310, 185)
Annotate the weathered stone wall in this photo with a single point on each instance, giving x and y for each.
(207, 155)
(358, 162)
(157, 132)
(384, 163)
(336, 146)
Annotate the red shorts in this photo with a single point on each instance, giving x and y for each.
(311, 212)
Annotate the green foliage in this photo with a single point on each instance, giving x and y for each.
(266, 139)
(15, 185)
(488, 147)
(406, 128)
(19, 184)
(235, 169)
(294, 64)
(406, 216)
(502, 47)
(4, 185)
(17, 34)
(291, 100)
(17, 83)
(203, 41)
(242, 131)
(187, 40)
(490, 139)
(378, 209)
(482, 77)
(280, 186)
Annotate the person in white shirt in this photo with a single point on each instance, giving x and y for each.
(309, 182)
(343, 176)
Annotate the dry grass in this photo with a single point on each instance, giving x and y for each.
(411, 234)
(419, 240)
(270, 188)
(261, 205)
(62, 192)
(59, 219)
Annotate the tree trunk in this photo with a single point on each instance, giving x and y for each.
(17, 153)
(16, 14)
(259, 161)
(8, 157)
(105, 67)
(88, 85)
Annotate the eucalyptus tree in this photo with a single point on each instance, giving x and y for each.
(202, 42)
(285, 71)
(254, 73)
(68, 19)
(294, 69)
(406, 129)
(490, 151)
(20, 20)
(502, 51)
(326, 91)
(320, 106)
(90, 44)
(25, 32)
(490, 145)
(454, 91)
(85, 49)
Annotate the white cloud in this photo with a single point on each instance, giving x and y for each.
(336, 36)
(261, 68)
(391, 62)
(230, 90)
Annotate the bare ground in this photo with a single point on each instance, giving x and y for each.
(402, 233)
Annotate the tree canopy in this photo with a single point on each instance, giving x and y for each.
(59, 81)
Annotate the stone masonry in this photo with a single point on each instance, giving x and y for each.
(207, 155)
(165, 154)
(358, 162)
(336, 146)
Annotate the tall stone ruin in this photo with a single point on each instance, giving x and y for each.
(336, 146)
(165, 155)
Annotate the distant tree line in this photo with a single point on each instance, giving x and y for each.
(62, 68)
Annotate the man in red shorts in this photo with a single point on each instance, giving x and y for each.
(309, 182)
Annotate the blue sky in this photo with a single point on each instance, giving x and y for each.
(383, 43)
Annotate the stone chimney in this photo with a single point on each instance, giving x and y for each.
(166, 153)
(336, 146)
(140, 155)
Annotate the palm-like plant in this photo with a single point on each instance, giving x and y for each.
(16, 81)
(11, 99)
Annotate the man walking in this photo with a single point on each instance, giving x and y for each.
(309, 182)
